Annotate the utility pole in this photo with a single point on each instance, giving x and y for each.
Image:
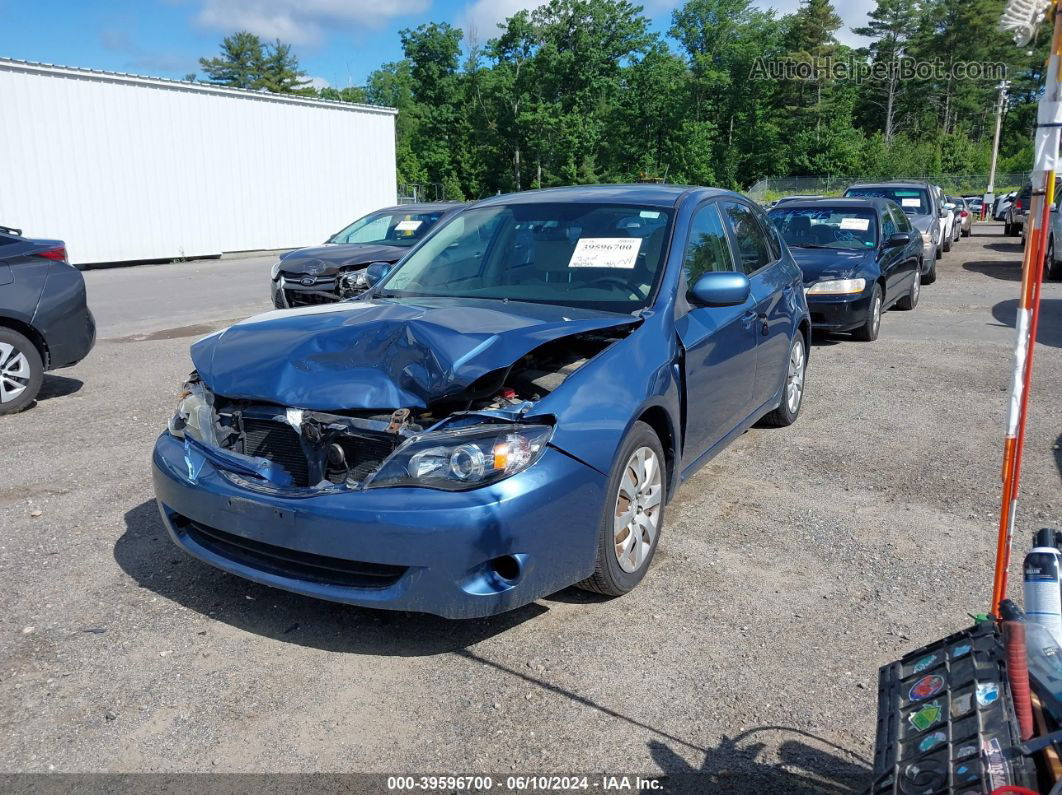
(989, 197)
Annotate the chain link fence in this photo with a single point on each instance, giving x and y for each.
(772, 188)
(415, 193)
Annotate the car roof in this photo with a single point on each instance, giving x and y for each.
(423, 207)
(853, 202)
(894, 183)
(650, 195)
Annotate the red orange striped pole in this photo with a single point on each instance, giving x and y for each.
(1049, 118)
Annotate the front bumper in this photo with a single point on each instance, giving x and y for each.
(839, 312)
(403, 548)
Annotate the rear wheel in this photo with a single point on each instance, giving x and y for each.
(947, 243)
(793, 389)
(868, 332)
(633, 517)
(21, 371)
(910, 301)
(1007, 229)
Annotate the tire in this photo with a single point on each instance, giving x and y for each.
(21, 371)
(868, 332)
(1052, 269)
(612, 577)
(947, 243)
(966, 232)
(1007, 231)
(910, 301)
(788, 410)
(930, 275)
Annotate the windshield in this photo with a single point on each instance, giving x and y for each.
(389, 228)
(598, 256)
(826, 227)
(913, 201)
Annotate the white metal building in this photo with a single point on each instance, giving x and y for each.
(124, 167)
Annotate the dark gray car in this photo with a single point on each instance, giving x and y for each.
(45, 322)
(336, 270)
(921, 203)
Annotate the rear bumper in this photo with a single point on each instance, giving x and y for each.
(64, 319)
(839, 312)
(401, 549)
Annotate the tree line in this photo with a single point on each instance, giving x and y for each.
(583, 91)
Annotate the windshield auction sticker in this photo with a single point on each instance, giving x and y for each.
(605, 252)
(408, 226)
(856, 224)
(911, 202)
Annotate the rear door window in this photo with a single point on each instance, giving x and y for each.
(751, 249)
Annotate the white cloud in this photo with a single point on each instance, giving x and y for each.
(302, 21)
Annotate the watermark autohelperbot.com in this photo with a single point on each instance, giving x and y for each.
(859, 71)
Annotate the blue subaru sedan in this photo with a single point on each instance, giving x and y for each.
(504, 414)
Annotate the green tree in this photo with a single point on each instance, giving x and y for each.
(241, 63)
(281, 73)
(890, 27)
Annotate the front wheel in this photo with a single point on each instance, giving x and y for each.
(792, 389)
(634, 515)
(868, 332)
(21, 371)
(1052, 269)
(930, 275)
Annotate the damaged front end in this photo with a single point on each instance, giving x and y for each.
(479, 435)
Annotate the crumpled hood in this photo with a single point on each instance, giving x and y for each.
(327, 259)
(818, 264)
(380, 354)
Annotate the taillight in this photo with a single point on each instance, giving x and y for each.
(1017, 204)
(58, 254)
(963, 213)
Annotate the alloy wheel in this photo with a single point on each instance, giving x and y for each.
(876, 319)
(794, 380)
(14, 372)
(637, 515)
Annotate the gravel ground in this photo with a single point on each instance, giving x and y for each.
(792, 567)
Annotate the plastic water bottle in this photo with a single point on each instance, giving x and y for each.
(1042, 584)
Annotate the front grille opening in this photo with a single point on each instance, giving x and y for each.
(290, 563)
(278, 442)
(299, 298)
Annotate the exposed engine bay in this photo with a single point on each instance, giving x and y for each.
(340, 450)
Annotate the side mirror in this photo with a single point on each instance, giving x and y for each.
(899, 239)
(377, 271)
(949, 205)
(726, 288)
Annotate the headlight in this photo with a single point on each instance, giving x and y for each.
(465, 458)
(195, 414)
(838, 287)
(274, 272)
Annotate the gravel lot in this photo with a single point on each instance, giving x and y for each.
(791, 567)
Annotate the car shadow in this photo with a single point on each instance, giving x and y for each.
(1049, 328)
(1009, 271)
(1013, 247)
(146, 553)
(808, 764)
(55, 386)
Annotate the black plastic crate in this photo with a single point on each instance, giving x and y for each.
(946, 720)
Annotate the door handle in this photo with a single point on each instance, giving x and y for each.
(748, 320)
